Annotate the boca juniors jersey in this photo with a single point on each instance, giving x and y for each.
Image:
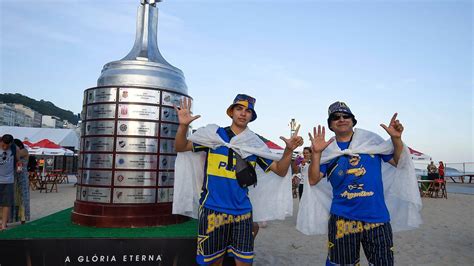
(221, 190)
(357, 186)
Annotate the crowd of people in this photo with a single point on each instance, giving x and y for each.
(14, 181)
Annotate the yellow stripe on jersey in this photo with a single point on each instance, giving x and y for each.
(217, 166)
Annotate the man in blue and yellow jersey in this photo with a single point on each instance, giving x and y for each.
(225, 213)
(358, 214)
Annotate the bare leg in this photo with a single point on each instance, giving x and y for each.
(5, 213)
(22, 214)
(241, 263)
(218, 262)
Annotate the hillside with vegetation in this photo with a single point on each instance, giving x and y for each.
(41, 106)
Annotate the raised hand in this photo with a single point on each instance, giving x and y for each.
(184, 112)
(318, 142)
(395, 128)
(294, 141)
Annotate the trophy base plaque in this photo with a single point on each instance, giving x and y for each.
(124, 215)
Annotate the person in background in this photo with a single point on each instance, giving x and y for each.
(441, 170)
(295, 180)
(432, 171)
(22, 193)
(303, 169)
(8, 158)
(32, 163)
(41, 165)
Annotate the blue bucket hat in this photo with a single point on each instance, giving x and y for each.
(339, 107)
(244, 100)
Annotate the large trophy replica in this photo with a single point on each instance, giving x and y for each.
(127, 152)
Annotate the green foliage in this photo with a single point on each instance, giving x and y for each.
(43, 107)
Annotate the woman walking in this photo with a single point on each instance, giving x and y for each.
(21, 210)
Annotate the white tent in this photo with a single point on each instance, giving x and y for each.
(63, 137)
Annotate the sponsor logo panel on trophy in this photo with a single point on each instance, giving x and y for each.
(96, 177)
(95, 194)
(134, 178)
(99, 128)
(134, 195)
(136, 111)
(167, 162)
(169, 115)
(101, 95)
(167, 146)
(168, 130)
(171, 99)
(99, 144)
(101, 161)
(138, 161)
(137, 128)
(139, 95)
(141, 145)
(166, 179)
(101, 111)
(165, 195)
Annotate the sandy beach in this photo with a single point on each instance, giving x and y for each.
(445, 238)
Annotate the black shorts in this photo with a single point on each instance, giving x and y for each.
(6, 195)
(345, 237)
(221, 233)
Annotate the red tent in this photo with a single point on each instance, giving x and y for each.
(45, 143)
(27, 143)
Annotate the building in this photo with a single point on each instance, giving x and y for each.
(18, 115)
(7, 114)
(32, 118)
(49, 121)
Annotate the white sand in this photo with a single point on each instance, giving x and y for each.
(445, 238)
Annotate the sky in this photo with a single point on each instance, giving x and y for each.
(295, 57)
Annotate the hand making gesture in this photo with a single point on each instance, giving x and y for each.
(184, 112)
(395, 128)
(294, 141)
(318, 142)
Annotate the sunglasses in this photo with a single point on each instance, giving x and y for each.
(338, 116)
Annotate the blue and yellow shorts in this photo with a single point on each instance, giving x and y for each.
(221, 233)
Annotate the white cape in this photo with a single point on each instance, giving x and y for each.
(400, 187)
(271, 198)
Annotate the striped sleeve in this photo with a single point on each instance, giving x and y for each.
(198, 148)
(264, 163)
